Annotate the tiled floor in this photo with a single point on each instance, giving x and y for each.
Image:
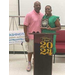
(17, 65)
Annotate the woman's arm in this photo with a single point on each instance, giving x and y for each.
(43, 27)
(58, 26)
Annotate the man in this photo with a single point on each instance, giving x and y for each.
(32, 23)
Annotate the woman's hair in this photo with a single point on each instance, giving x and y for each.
(49, 6)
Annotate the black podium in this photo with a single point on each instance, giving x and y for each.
(43, 44)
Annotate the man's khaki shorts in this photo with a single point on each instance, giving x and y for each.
(30, 46)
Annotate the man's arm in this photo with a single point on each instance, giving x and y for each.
(25, 31)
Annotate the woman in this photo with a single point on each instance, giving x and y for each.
(54, 24)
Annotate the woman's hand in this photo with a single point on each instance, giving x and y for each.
(49, 28)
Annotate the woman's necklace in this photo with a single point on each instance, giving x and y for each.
(48, 16)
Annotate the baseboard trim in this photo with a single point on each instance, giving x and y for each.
(59, 53)
(18, 52)
(22, 52)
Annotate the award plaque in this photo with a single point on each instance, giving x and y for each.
(44, 23)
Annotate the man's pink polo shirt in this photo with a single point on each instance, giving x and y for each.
(33, 22)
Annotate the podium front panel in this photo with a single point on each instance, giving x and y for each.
(43, 44)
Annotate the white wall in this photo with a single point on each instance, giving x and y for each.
(58, 8)
(13, 7)
(13, 11)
